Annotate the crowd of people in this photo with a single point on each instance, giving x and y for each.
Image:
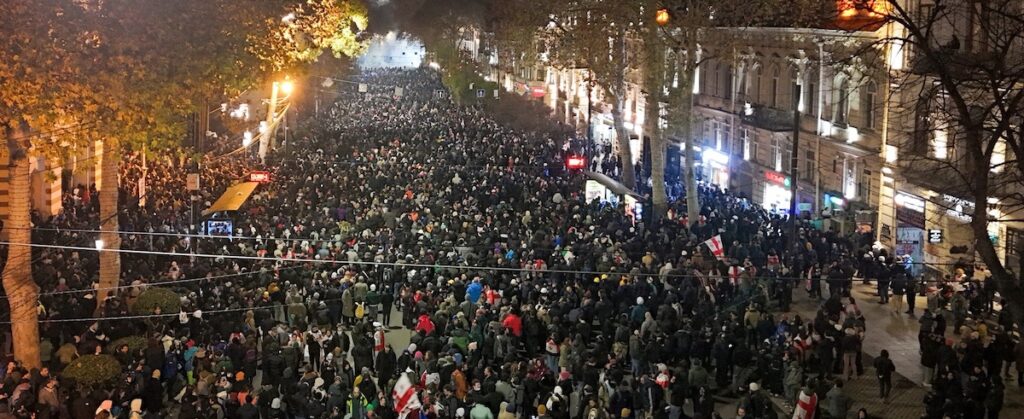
(522, 299)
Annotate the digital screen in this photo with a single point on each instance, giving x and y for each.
(219, 227)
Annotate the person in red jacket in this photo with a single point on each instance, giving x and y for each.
(514, 323)
(425, 324)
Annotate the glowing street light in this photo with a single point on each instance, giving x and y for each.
(247, 139)
(287, 87)
(662, 16)
(100, 244)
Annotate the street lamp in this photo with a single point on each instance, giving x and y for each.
(662, 16)
(287, 87)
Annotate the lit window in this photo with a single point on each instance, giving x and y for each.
(745, 137)
(940, 144)
(870, 93)
(999, 156)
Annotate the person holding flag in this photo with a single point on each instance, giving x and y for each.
(407, 403)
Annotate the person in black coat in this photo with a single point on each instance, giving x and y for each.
(386, 364)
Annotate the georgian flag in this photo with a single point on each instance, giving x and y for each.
(404, 395)
(715, 244)
(805, 406)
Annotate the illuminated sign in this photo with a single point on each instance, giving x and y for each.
(935, 236)
(576, 162)
(960, 209)
(909, 210)
(259, 176)
(909, 201)
(538, 92)
(777, 178)
(712, 155)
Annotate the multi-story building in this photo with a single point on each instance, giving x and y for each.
(856, 130)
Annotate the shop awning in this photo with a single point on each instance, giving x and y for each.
(233, 198)
(613, 185)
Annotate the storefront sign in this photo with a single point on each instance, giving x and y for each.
(909, 210)
(961, 209)
(594, 190)
(259, 176)
(935, 236)
(776, 178)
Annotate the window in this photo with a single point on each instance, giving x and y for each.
(715, 78)
(718, 135)
(810, 166)
(870, 94)
(758, 75)
(864, 184)
(725, 135)
(745, 139)
(776, 155)
(775, 88)
(787, 157)
(794, 84)
(727, 81)
(999, 156)
(753, 149)
(940, 144)
(842, 102)
(1014, 242)
(812, 97)
(739, 146)
(849, 178)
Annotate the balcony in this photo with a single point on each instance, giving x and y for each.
(766, 118)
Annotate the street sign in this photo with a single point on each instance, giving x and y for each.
(481, 93)
(192, 182)
(935, 236)
(259, 176)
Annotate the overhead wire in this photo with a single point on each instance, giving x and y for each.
(389, 264)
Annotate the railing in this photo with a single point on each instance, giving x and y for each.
(767, 118)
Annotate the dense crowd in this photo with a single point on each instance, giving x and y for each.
(523, 299)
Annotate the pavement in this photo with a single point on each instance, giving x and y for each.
(896, 333)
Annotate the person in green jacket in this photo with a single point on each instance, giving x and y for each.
(480, 411)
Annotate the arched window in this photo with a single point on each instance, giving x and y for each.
(870, 97)
(842, 101)
(758, 76)
(727, 81)
(774, 93)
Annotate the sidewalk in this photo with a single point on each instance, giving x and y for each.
(898, 335)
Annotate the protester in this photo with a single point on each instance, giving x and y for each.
(523, 298)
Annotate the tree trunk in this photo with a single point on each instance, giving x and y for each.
(110, 259)
(654, 80)
(622, 138)
(684, 120)
(22, 292)
(1008, 287)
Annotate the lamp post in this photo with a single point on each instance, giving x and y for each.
(266, 140)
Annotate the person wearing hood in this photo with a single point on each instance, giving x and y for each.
(837, 402)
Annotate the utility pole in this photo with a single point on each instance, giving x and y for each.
(794, 164)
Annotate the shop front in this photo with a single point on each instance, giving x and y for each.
(611, 192)
(716, 166)
(910, 229)
(777, 191)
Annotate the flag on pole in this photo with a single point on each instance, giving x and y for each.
(404, 395)
(715, 244)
